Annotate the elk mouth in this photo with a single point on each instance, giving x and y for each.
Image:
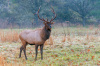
(49, 29)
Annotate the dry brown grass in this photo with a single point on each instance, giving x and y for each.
(3, 62)
(87, 36)
(56, 41)
(91, 27)
(91, 37)
(9, 36)
(96, 31)
(68, 38)
(64, 39)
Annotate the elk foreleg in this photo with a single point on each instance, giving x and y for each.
(41, 50)
(36, 51)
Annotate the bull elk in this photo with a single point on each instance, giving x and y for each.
(36, 37)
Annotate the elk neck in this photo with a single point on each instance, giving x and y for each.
(45, 34)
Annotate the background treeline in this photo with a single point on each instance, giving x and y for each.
(22, 13)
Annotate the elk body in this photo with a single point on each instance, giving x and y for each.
(36, 37)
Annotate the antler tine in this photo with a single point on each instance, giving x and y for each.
(52, 10)
(38, 14)
(53, 13)
(39, 17)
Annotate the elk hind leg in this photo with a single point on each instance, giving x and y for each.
(24, 50)
(21, 48)
(36, 51)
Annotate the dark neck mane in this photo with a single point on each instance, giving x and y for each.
(45, 34)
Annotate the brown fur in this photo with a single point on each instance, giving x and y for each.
(38, 36)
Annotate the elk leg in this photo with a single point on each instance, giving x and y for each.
(41, 50)
(36, 51)
(21, 48)
(25, 53)
(24, 49)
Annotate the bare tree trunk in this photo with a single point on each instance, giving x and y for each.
(84, 21)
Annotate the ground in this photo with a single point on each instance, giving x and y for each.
(80, 47)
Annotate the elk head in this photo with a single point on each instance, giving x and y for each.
(46, 22)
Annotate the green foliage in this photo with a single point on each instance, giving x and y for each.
(24, 11)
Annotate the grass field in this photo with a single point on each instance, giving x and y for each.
(80, 47)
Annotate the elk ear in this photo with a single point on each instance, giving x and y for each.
(52, 22)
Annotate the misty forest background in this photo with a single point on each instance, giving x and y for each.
(22, 13)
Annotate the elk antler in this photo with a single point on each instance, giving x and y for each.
(39, 17)
(53, 13)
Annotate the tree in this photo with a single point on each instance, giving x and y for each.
(83, 7)
(22, 12)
